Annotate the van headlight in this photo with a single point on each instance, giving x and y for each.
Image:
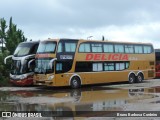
(51, 77)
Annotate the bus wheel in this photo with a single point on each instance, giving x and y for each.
(139, 78)
(132, 78)
(75, 82)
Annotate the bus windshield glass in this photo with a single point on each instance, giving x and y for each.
(42, 66)
(23, 49)
(18, 69)
(47, 47)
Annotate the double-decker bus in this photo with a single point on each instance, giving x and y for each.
(69, 62)
(157, 52)
(21, 74)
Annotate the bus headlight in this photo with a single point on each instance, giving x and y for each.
(51, 77)
(23, 77)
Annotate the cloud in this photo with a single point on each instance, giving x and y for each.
(125, 20)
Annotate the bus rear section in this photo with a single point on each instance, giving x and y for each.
(82, 62)
(104, 62)
(21, 74)
(157, 53)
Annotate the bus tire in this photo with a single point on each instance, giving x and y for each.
(75, 82)
(131, 78)
(140, 78)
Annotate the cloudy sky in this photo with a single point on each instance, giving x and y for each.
(117, 20)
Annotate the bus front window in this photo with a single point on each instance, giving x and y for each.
(22, 50)
(16, 67)
(43, 67)
(46, 47)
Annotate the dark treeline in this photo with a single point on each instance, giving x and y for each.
(10, 37)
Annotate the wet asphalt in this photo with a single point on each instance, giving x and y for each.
(89, 102)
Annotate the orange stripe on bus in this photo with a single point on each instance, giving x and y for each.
(42, 55)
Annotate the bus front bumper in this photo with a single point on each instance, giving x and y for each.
(40, 82)
(41, 79)
(24, 82)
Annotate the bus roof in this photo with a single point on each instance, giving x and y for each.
(30, 42)
(83, 40)
(120, 42)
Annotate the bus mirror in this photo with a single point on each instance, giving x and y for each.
(51, 61)
(29, 63)
(7, 58)
(26, 57)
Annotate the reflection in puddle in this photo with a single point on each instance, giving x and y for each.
(97, 99)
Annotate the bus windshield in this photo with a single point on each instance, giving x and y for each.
(18, 69)
(47, 47)
(42, 66)
(23, 49)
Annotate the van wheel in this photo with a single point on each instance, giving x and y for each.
(131, 78)
(139, 78)
(75, 82)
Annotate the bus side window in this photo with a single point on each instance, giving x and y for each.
(83, 67)
(63, 66)
(97, 67)
(129, 48)
(147, 49)
(96, 47)
(84, 47)
(59, 67)
(108, 48)
(138, 49)
(108, 66)
(59, 47)
(119, 49)
(127, 65)
(120, 66)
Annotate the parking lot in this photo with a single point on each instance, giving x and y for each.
(92, 99)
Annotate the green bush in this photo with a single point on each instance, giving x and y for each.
(4, 69)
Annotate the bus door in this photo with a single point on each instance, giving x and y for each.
(64, 63)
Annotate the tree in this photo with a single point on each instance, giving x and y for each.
(14, 37)
(11, 37)
(3, 27)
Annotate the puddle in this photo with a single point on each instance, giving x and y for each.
(85, 101)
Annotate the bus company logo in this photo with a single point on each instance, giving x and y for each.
(6, 114)
(107, 57)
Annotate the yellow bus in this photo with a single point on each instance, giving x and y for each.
(71, 62)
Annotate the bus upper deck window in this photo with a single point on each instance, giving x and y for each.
(138, 49)
(85, 47)
(70, 47)
(147, 49)
(96, 47)
(59, 47)
(129, 48)
(108, 48)
(119, 48)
